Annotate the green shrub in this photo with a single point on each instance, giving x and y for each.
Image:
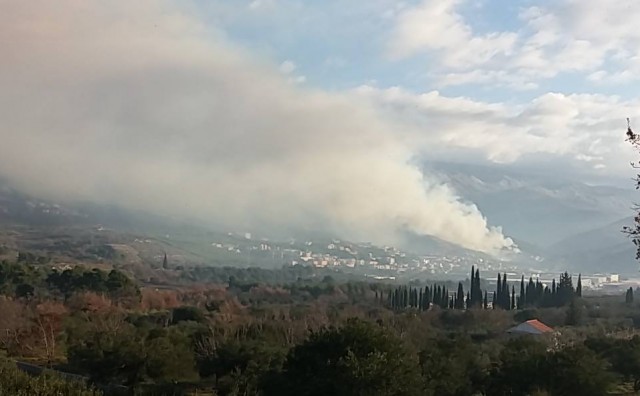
(14, 382)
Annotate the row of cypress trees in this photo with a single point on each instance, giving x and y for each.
(419, 298)
(532, 294)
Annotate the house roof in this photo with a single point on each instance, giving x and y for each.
(532, 326)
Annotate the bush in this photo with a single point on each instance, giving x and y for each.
(17, 383)
(359, 358)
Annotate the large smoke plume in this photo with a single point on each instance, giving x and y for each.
(138, 103)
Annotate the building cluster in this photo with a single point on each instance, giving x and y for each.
(389, 261)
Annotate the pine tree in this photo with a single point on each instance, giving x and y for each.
(547, 298)
(539, 292)
(530, 293)
(564, 290)
(574, 313)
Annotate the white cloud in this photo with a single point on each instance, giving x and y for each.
(435, 25)
(135, 103)
(298, 79)
(335, 62)
(287, 67)
(258, 4)
(590, 37)
(587, 128)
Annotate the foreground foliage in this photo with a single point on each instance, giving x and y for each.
(16, 383)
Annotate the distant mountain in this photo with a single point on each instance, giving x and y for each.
(18, 208)
(557, 224)
(604, 249)
(537, 209)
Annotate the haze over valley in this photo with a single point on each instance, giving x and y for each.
(186, 123)
(339, 197)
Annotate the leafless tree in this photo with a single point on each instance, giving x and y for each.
(633, 231)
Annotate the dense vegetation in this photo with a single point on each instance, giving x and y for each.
(20, 279)
(294, 332)
(14, 382)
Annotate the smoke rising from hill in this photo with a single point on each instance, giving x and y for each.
(138, 103)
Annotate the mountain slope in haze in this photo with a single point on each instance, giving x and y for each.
(68, 230)
(537, 209)
(604, 249)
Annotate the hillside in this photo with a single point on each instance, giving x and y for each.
(534, 208)
(603, 249)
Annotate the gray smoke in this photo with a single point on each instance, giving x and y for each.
(139, 104)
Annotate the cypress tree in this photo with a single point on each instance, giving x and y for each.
(505, 292)
(432, 294)
(427, 298)
(468, 301)
(394, 300)
(513, 297)
(486, 300)
(460, 297)
(476, 293)
(472, 282)
(522, 298)
(165, 262)
(405, 298)
(579, 286)
(493, 301)
(445, 297)
(420, 300)
(413, 296)
(497, 297)
(629, 296)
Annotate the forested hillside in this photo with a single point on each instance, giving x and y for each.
(300, 332)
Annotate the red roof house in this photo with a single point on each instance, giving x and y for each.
(533, 326)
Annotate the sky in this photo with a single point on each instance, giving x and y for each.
(284, 114)
(502, 80)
